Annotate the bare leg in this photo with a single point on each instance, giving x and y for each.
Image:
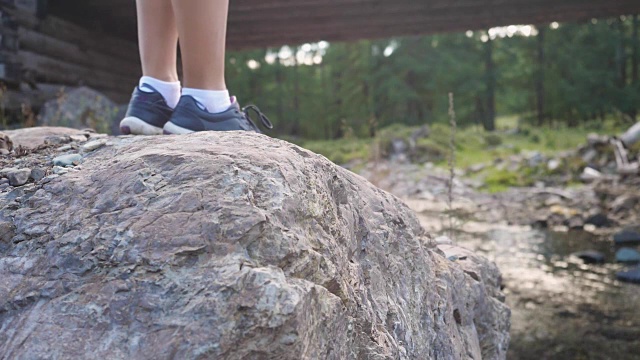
(202, 25)
(158, 39)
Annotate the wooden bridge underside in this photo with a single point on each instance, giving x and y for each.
(259, 23)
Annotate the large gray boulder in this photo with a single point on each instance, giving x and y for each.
(82, 108)
(232, 246)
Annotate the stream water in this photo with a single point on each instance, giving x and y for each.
(561, 307)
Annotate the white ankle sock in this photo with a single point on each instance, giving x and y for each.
(169, 90)
(213, 101)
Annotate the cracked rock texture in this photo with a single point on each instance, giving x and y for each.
(232, 246)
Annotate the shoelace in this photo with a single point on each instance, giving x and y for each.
(263, 118)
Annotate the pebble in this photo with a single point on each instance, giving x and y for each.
(58, 170)
(627, 236)
(4, 186)
(4, 181)
(553, 164)
(627, 255)
(4, 152)
(443, 240)
(599, 220)
(37, 174)
(78, 138)
(93, 145)
(5, 171)
(18, 177)
(632, 275)
(590, 256)
(64, 148)
(67, 160)
(574, 223)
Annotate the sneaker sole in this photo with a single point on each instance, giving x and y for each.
(133, 126)
(173, 129)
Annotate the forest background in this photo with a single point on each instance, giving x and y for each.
(558, 75)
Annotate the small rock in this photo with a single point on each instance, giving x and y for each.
(589, 156)
(574, 223)
(4, 186)
(443, 240)
(64, 148)
(93, 145)
(57, 139)
(627, 236)
(5, 143)
(624, 202)
(78, 138)
(95, 135)
(18, 177)
(5, 171)
(632, 275)
(37, 174)
(540, 224)
(534, 159)
(67, 160)
(553, 200)
(60, 170)
(590, 256)
(477, 168)
(4, 181)
(4, 152)
(627, 255)
(590, 174)
(594, 139)
(553, 164)
(49, 178)
(598, 220)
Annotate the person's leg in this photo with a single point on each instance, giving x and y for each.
(202, 28)
(158, 91)
(205, 104)
(158, 42)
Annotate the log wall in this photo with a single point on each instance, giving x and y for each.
(42, 53)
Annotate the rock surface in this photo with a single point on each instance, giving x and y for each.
(203, 246)
(36, 136)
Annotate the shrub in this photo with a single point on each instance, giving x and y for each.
(492, 140)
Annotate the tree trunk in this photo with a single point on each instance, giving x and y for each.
(621, 55)
(540, 76)
(490, 118)
(295, 131)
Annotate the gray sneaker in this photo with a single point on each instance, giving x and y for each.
(189, 116)
(147, 113)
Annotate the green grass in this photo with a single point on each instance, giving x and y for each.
(341, 151)
(473, 146)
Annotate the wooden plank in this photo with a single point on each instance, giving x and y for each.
(65, 31)
(55, 48)
(372, 26)
(46, 69)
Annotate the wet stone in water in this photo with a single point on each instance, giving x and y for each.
(627, 236)
(627, 255)
(590, 256)
(632, 275)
